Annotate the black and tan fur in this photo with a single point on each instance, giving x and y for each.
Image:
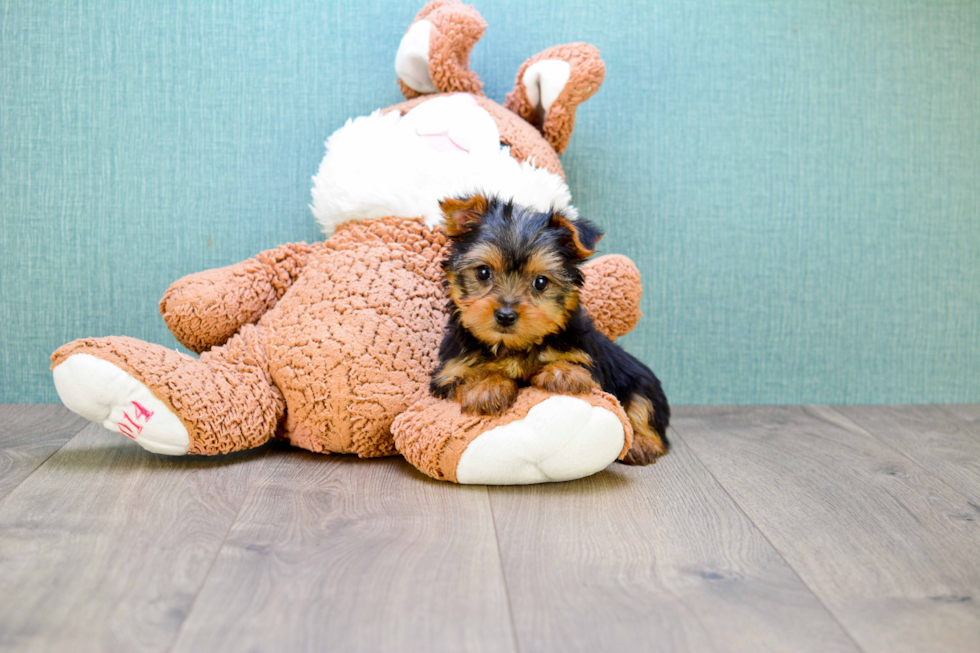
(513, 279)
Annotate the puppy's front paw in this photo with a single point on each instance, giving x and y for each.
(645, 450)
(488, 395)
(564, 378)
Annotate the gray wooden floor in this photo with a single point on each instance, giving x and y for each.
(766, 528)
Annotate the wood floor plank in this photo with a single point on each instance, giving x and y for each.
(969, 413)
(888, 547)
(29, 435)
(349, 555)
(105, 545)
(932, 436)
(650, 559)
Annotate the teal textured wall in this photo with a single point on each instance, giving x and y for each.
(799, 182)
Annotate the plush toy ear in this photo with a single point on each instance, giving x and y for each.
(463, 214)
(434, 54)
(583, 236)
(551, 85)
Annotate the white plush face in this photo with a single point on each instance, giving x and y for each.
(386, 164)
(454, 125)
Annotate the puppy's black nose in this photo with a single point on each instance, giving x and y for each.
(505, 316)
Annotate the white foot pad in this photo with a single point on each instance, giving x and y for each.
(560, 439)
(101, 392)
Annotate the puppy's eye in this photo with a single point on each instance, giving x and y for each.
(483, 273)
(540, 283)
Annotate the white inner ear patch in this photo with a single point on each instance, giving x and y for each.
(543, 82)
(412, 58)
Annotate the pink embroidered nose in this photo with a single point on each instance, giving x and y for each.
(441, 143)
(466, 99)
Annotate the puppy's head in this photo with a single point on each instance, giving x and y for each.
(513, 272)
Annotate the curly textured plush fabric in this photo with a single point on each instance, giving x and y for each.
(433, 434)
(204, 309)
(455, 30)
(347, 347)
(586, 75)
(352, 343)
(611, 293)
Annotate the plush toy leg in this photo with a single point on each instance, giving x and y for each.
(543, 438)
(171, 403)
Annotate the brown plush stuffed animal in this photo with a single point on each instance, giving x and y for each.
(330, 345)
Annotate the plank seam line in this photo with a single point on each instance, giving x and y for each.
(214, 560)
(761, 532)
(901, 453)
(503, 574)
(45, 461)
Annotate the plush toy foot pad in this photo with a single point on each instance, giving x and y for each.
(101, 392)
(560, 439)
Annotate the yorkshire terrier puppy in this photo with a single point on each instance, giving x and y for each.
(513, 278)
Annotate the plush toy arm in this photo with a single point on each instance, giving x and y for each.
(205, 309)
(434, 54)
(611, 294)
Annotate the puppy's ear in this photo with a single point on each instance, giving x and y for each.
(463, 214)
(582, 236)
